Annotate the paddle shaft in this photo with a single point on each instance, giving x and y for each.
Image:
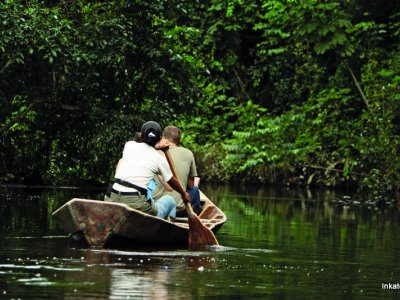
(173, 168)
(199, 234)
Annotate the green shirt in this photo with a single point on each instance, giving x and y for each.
(186, 168)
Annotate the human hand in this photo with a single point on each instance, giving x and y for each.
(185, 197)
(162, 144)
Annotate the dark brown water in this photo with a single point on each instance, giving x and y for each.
(277, 244)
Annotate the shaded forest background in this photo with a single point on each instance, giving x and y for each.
(272, 92)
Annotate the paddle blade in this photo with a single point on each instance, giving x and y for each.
(199, 235)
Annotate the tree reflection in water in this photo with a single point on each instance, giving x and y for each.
(277, 243)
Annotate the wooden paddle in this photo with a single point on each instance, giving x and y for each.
(199, 234)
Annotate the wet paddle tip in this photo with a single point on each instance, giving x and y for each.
(203, 247)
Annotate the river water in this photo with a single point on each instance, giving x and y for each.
(276, 244)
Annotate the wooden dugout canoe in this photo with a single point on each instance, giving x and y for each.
(100, 223)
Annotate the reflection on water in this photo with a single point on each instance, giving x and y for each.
(276, 244)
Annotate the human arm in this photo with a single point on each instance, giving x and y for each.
(165, 184)
(177, 186)
(193, 181)
(118, 164)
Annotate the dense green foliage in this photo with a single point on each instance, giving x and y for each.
(76, 78)
(288, 92)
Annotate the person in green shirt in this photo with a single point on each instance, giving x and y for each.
(186, 167)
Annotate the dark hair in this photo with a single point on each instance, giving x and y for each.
(138, 137)
(151, 133)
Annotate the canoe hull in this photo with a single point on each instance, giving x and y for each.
(101, 223)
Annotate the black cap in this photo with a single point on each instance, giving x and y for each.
(151, 133)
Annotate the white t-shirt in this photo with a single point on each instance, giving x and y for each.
(138, 165)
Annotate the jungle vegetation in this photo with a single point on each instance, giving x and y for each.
(291, 92)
